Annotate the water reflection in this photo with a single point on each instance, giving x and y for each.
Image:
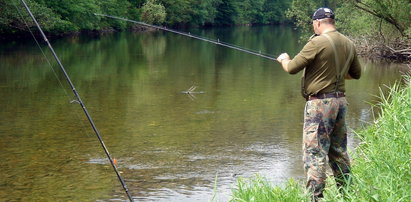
(168, 147)
(154, 46)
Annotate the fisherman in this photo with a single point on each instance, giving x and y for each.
(327, 59)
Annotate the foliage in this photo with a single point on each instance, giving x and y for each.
(113, 7)
(384, 19)
(226, 12)
(251, 11)
(13, 17)
(386, 174)
(204, 12)
(395, 13)
(61, 16)
(178, 11)
(301, 11)
(153, 13)
(75, 12)
(274, 11)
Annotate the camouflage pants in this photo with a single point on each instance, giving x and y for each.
(325, 134)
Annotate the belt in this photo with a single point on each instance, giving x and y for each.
(326, 95)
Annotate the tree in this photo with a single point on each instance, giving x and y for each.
(274, 11)
(116, 8)
(62, 16)
(249, 11)
(13, 17)
(226, 12)
(153, 13)
(301, 12)
(203, 11)
(137, 3)
(177, 11)
(80, 14)
(397, 13)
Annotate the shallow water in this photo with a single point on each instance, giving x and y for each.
(169, 146)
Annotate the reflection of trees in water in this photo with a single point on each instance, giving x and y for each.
(153, 46)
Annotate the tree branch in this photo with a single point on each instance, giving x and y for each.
(360, 5)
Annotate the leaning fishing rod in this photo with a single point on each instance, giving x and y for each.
(123, 183)
(217, 42)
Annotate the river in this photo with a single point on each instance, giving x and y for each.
(169, 146)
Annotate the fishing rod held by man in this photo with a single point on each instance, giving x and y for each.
(216, 42)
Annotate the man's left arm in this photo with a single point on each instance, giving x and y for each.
(355, 69)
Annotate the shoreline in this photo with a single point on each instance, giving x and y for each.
(27, 35)
(371, 49)
(397, 51)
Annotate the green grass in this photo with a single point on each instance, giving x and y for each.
(259, 189)
(381, 164)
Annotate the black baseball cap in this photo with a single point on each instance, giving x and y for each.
(322, 13)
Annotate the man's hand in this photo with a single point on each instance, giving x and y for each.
(284, 59)
(283, 56)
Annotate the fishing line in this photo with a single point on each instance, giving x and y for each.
(81, 103)
(213, 41)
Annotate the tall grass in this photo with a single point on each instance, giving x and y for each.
(381, 165)
(259, 189)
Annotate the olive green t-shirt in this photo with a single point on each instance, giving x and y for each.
(319, 61)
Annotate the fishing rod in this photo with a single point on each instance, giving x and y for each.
(217, 42)
(83, 106)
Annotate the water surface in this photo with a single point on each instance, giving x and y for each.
(169, 147)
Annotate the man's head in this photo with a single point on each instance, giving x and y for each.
(323, 19)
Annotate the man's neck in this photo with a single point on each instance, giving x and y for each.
(331, 29)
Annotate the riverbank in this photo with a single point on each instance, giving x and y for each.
(28, 36)
(398, 50)
(372, 49)
(380, 164)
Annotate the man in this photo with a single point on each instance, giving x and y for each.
(327, 59)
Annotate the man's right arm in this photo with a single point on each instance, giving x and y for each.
(284, 59)
(304, 58)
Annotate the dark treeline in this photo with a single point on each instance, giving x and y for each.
(66, 16)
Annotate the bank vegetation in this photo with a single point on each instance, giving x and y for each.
(67, 16)
(381, 164)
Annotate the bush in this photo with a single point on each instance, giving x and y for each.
(153, 13)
